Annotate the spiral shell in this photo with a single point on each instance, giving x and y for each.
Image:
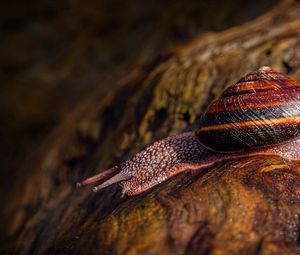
(261, 109)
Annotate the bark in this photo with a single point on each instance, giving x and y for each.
(247, 206)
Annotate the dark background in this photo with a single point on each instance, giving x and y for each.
(54, 53)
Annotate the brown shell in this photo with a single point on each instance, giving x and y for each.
(261, 109)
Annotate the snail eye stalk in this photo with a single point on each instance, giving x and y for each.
(98, 177)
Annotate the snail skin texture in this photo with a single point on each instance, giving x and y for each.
(259, 115)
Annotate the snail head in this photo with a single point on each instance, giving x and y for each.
(153, 165)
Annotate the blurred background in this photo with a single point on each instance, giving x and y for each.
(54, 54)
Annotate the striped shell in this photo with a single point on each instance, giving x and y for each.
(261, 109)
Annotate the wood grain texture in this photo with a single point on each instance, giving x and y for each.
(249, 206)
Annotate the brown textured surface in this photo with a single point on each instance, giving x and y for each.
(249, 206)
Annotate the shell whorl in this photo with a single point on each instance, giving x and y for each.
(261, 109)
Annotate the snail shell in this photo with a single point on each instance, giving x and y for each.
(261, 109)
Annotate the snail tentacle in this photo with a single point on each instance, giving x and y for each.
(115, 179)
(98, 177)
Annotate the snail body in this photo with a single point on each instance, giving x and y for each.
(259, 115)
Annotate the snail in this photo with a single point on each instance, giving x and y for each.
(259, 115)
